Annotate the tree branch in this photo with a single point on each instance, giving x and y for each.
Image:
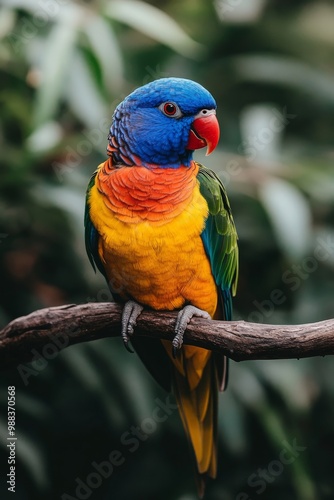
(47, 331)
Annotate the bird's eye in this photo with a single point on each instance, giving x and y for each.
(170, 109)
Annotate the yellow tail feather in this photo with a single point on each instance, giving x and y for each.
(195, 385)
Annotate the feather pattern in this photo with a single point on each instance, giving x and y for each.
(91, 234)
(159, 227)
(220, 237)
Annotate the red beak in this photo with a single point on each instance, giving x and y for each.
(204, 132)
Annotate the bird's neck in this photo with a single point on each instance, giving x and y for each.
(135, 194)
(121, 155)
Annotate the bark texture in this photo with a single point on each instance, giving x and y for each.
(59, 327)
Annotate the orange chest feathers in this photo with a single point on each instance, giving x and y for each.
(150, 222)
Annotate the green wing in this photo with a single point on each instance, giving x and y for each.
(220, 237)
(91, 234)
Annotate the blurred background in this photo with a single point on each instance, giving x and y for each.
(64, 66)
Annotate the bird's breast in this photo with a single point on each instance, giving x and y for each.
(154, 253)
(135, 194)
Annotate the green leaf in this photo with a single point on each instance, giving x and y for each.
(83, 95)
(283, 71)
(7, 21)
(155, 24)
(27, 5)
(107, 51)
(56, 60)
(290, 216)
(45, 137)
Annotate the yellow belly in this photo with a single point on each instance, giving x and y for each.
(162, 266)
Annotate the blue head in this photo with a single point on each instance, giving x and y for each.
(162, 123)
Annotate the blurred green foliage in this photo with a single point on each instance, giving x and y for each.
(64, 65)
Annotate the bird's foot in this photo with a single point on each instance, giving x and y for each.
(183, 318)
(130, 315)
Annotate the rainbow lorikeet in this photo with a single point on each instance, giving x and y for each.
(159, 228)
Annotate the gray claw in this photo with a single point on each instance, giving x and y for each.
(183, 318)
(126, 345)
(130, 315)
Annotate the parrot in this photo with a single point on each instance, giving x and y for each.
(159, 227)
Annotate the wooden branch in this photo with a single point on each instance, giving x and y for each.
(45, 332)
